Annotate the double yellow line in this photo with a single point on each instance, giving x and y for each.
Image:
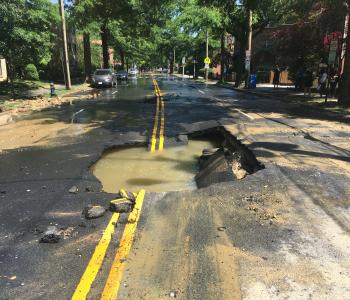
(159, 116)
(111, 287)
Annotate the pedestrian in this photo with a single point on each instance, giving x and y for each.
(299, 79)
(52, 89)
(276, 77)
(307, 82)
(322, 82)
(333, 82)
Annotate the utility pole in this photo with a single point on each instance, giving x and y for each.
(249, 45)
(174, 60)
(207, 53)
(65, 48)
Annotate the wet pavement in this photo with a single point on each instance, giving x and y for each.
(282, 232)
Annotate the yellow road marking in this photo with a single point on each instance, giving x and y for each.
(96, 260)
(160, 108)
(161, 132)
(155, 127)
(111, 288)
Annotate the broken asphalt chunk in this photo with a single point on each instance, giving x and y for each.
(93, 212)
(51, 235)
(121, 205)
(73, 190)
(127, 195)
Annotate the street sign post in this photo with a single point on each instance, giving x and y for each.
(194, 68)
(247, 60)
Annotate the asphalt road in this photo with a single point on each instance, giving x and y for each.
(282, 232)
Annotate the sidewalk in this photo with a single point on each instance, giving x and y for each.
(289, 95)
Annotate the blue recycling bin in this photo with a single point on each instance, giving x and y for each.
(252, 81)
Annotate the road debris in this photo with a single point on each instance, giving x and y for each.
(51, 235)
(222, 228)
(121, 205)
(173, 294)
(89, 189)
(127, 195)
(93, 212)
(238, 170)
(73, 190)
(67, 232)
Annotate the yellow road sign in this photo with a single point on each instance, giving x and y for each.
(207, 60)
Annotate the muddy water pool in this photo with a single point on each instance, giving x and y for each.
(133, 168)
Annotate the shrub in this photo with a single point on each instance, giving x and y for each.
(31, 73)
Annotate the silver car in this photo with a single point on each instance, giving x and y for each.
(103, 78)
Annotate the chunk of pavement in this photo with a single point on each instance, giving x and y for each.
(127, 195)
(51, 235)
(94, 212)
(74, 189)
(238, 170)
(121, 205)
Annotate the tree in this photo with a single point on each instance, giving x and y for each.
(27, 33)
(344, 93)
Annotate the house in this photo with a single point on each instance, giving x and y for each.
(265, 55)
(3, 70)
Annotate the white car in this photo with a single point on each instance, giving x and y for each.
(133, 72)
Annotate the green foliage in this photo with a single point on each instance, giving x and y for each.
(27, 32)
(31, 72)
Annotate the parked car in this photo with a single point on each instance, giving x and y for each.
(133, 72)
(103, 77)
(122, 75)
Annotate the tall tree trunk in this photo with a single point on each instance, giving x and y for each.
(11, 76)
(171, 69)
(87, 55)
(122, 58)
(104, 38)
(222, 63)
(344, 88)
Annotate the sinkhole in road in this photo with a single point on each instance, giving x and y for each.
(195, 161)
(134, 167)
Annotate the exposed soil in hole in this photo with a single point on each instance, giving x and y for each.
(209, 157)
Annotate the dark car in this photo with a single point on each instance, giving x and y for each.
(122, 75)
(103, 77)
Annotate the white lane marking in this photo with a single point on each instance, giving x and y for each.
(75, 114)
(243, 113)
(201, 91)
(114, 92)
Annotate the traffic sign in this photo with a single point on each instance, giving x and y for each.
(207, 60)
(183, 60)
(206, 66)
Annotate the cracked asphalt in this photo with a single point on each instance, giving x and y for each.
(280, 233)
